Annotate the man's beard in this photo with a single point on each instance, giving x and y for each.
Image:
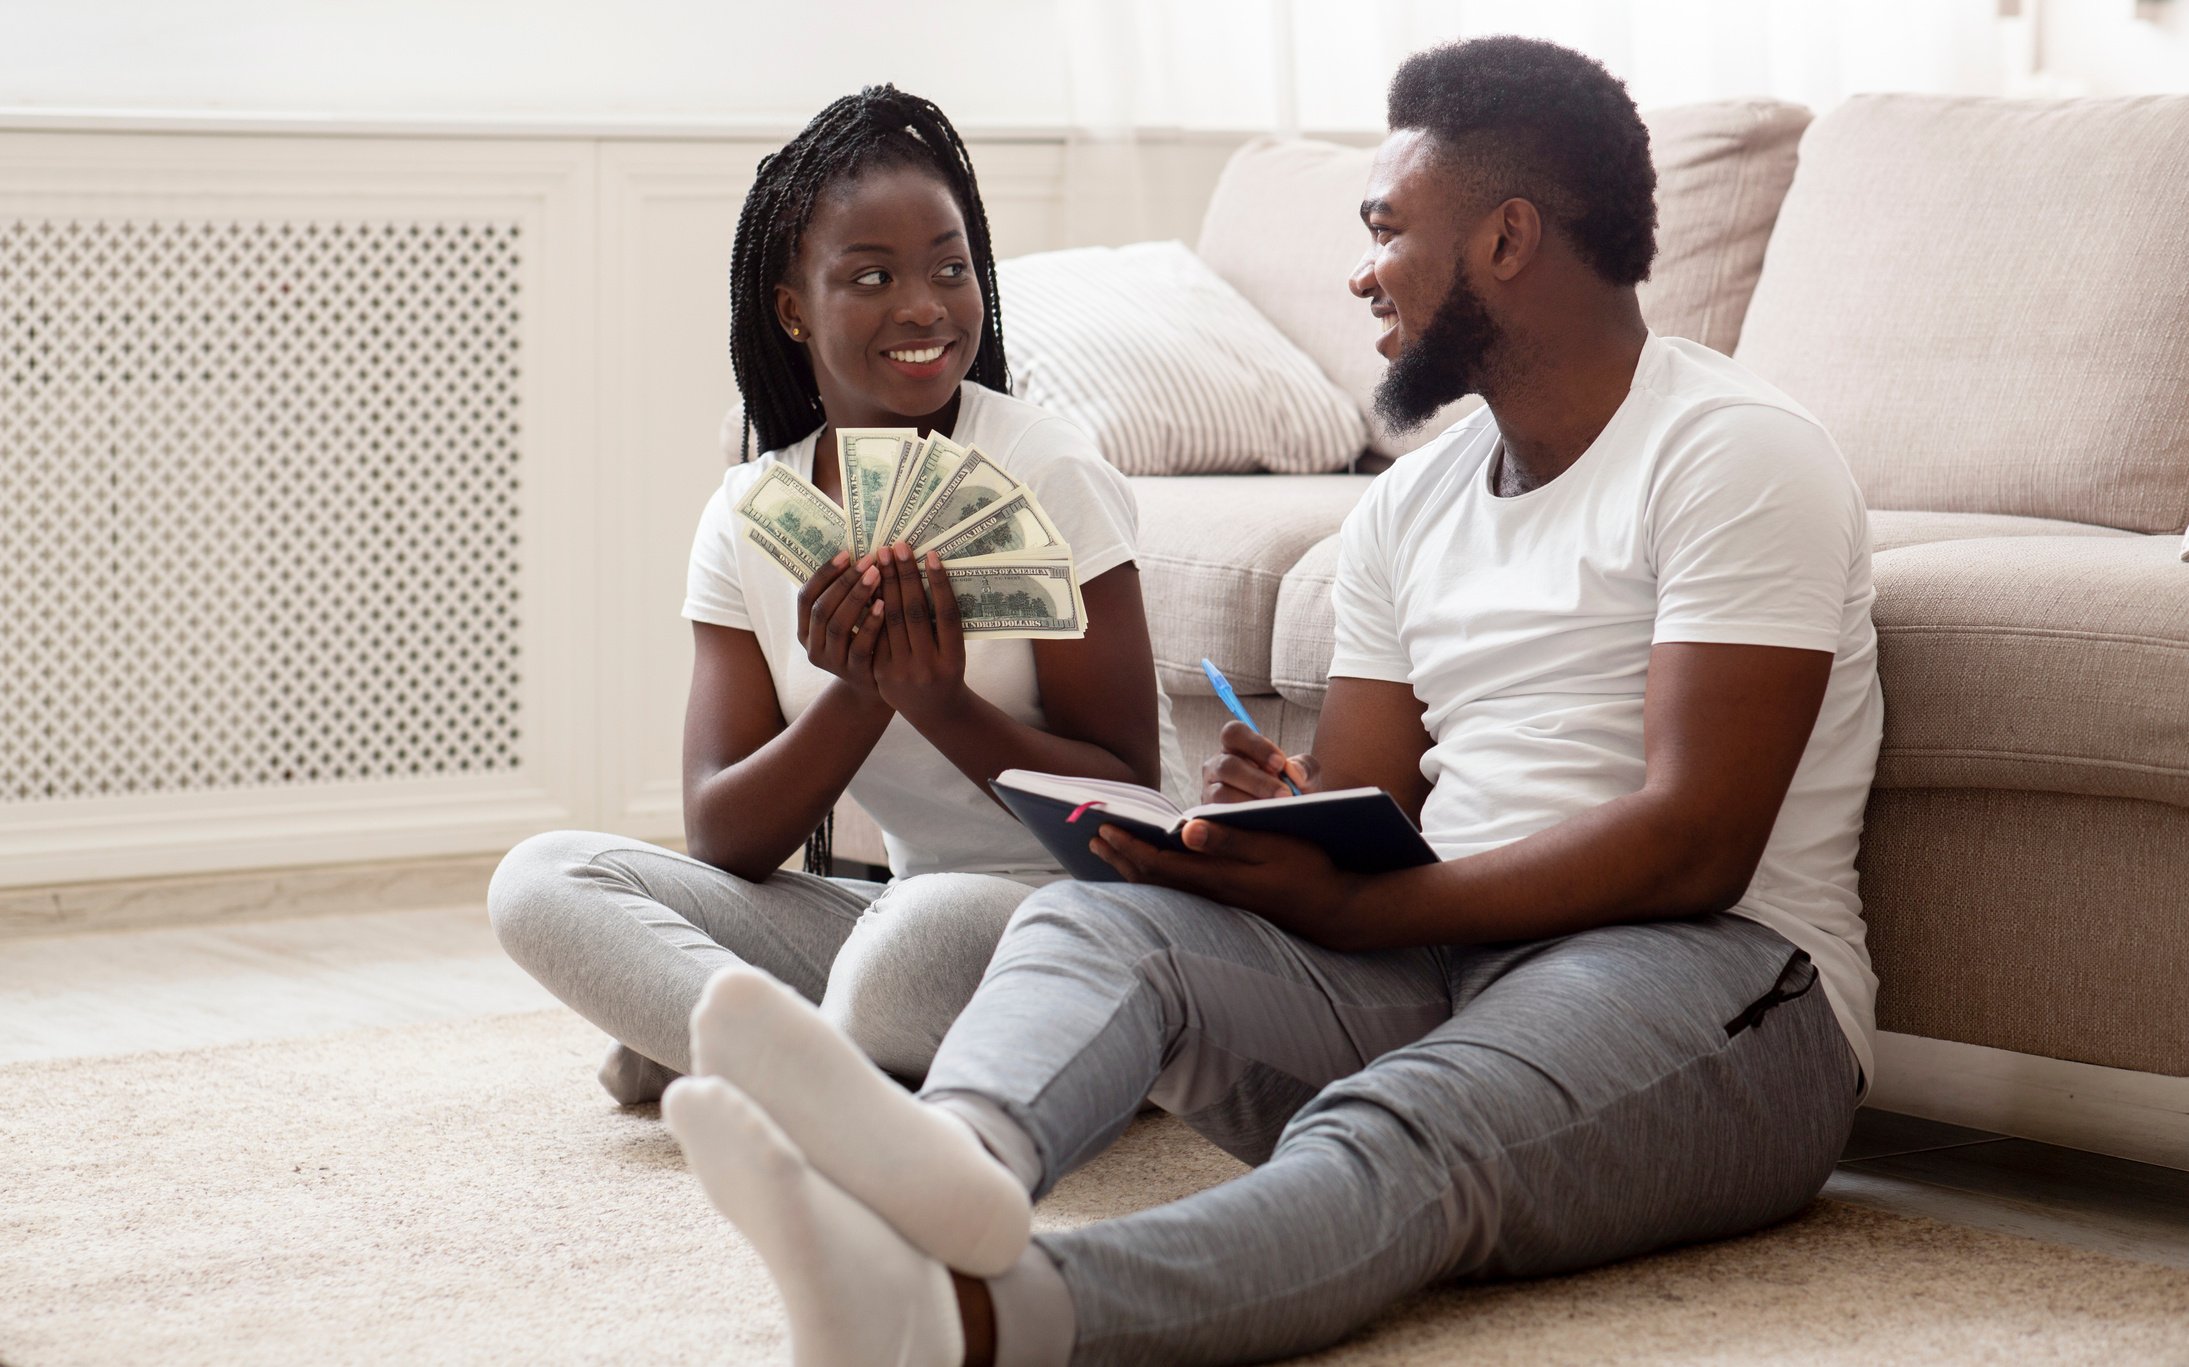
(1448, 361)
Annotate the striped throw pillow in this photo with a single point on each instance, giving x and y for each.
(1167, 367)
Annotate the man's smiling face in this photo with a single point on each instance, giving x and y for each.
(1438, 333)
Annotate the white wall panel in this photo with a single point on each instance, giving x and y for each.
(668, 215)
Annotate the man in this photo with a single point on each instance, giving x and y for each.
(1608, 640)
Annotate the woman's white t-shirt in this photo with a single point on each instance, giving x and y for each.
(1711, 508)
(933, 818)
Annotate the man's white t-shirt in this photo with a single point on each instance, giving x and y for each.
(933, 818)
(1711, 508)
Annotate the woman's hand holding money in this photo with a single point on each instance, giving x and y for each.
(839, 622)
(920, 670)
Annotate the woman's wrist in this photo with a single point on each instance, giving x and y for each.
(861, 704)
(939, 709)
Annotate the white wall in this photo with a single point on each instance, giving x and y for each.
(1025, 64)
(989, 62)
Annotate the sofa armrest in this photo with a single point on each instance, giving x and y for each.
(1306, 628)
(1214, 550)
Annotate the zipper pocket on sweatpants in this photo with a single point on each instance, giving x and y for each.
(1795, 979)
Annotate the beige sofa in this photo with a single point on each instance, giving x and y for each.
(1987, 302)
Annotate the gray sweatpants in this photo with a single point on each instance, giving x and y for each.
(1416, 1115)
(628, 933)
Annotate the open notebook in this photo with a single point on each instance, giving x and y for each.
(1363, 829)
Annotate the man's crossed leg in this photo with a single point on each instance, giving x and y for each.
(1415, 1114)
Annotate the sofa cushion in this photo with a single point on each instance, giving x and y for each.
(2058, 664)
(1167, 368)
(1305, 635)
(1213, 550)
(1721, 170)
(1982, 299)
(1892, 529)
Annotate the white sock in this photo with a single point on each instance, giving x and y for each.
(917, 1166)
(858, 1295)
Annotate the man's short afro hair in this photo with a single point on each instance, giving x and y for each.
(1546, 124)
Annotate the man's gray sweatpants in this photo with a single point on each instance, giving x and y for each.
(1416, 1115)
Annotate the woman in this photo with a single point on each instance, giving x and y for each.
(863, 295)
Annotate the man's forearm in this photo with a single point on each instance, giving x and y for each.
(1635, 858)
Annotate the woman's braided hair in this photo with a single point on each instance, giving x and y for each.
(881, 126)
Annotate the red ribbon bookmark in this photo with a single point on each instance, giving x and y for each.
(1080, 811)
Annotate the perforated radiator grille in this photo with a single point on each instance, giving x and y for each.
(258, 504)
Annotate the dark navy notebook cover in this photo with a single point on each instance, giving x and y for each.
(1366, 833)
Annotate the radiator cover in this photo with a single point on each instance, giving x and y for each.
(259, 488)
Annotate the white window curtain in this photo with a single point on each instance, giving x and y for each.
(1145, 71)
(1319, 65)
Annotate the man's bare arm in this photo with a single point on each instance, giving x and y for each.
(1723, 731)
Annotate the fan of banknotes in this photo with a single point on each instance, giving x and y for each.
(1011, 573)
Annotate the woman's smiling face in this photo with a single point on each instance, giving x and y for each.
(884, 298)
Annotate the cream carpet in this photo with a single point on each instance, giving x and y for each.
(461, 1193)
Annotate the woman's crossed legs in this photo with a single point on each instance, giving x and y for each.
(627, 934)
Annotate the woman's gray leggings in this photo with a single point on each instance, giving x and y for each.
(628, 933)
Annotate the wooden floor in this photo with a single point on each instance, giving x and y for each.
(99, 993)
(95, 993)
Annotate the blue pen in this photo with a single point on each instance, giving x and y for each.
(1230, 699)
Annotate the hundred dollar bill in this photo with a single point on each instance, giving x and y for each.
(933, 462)
(976, 483)
(867, 459)
(1045, 555)
(1059, 554)
(784, 558)
(796, 524)
(1004, 598)
(1012, 523)
(914, 454)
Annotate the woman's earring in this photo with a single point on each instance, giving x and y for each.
(795, 333)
